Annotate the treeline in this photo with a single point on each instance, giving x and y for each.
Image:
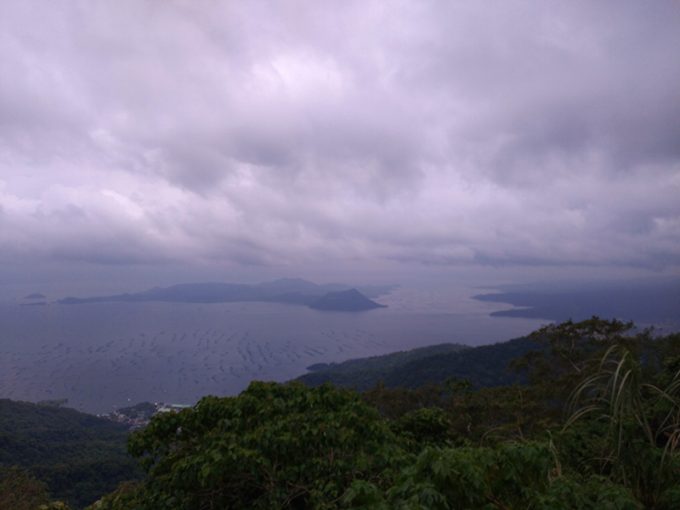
(590, 420)
(483, 366)
(595, 426)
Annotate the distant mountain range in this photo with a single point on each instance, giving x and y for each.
(35, 296)
(34, 299)
(643, 301)
(332, 296)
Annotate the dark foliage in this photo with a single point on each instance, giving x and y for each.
(79, 456)
(594, 423)
(364, 373)
(484, 366)
(274, 446)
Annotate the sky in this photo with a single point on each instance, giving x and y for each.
(165, 141)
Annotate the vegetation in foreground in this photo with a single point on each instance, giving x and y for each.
(78, 456)
(596, 426)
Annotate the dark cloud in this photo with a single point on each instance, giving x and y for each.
(295, 133)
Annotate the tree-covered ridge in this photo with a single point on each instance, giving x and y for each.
(483, 366)
(596, 426)
(365, 373)
(78, 456)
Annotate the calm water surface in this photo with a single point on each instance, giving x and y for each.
(107, 355)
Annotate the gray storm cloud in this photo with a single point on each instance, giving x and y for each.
(511, 132)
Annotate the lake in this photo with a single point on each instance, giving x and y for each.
(106, 355)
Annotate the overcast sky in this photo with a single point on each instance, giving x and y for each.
(277, 136)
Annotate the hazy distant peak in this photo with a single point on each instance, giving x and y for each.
(350, 300)
(35, 296)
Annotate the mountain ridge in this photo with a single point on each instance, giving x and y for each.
(483, 366)
(295, 291)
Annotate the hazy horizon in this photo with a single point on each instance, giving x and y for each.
(447, 176)
(449, 148)
(106, 355)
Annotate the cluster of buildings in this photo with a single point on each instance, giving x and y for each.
(139, 415)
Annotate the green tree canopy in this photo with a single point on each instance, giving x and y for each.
(273, 446)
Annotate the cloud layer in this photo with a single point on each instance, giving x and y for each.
(258, 133)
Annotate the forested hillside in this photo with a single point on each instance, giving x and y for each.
(594, 422)
(596, 425)
(79, 456)
(484, 366)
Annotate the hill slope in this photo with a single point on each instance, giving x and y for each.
(78, 455)
(483, 366)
